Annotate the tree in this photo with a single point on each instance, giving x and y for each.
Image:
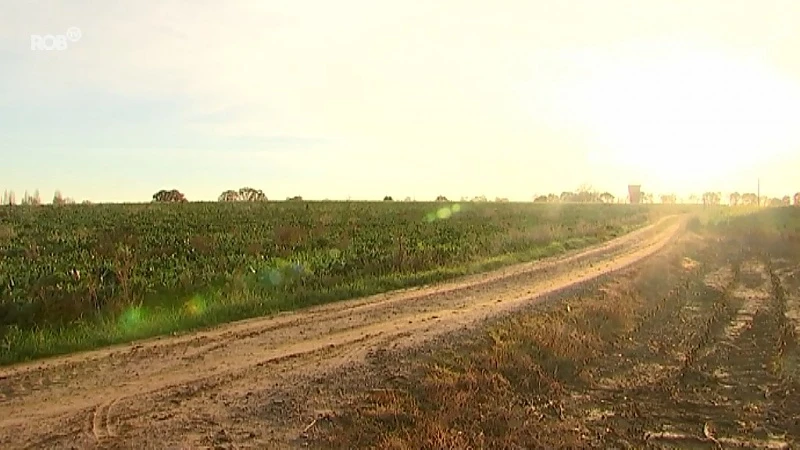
(477, 199)
(9, 198)
(171, 196)
(711, 198)
(797, 199)
(735, 198)
(774, 202)
(296, 198)
(786, 200)
(388, 198)
(647, 197)
(693, 198)
(606, 197)
(58, 199)
(26, 199)
(567, 197)
(586, 194)
(540, 199)
(500, 200)
(229, 196)
(442, 198)
(749, 199)
(248, 194)
(669, 199)
(407, 199)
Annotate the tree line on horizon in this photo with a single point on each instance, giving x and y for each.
(35, 199)
(584, 194)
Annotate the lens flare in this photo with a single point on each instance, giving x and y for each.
(443, 213)
(275, 277)
(195, 306)
(299, 269)
(132, 318)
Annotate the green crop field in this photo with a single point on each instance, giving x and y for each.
(80, 276)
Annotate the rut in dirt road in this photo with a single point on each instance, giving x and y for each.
(174, 390)
(733, 375)
(707, 364)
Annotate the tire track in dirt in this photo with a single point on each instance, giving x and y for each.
(191, 374)
(653, 354)
(101, 420)
(715, 322)
(787, 310)
(725, 395)
(695, 370)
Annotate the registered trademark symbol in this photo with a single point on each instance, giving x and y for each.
(74, 34)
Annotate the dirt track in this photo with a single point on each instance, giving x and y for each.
(228, 382)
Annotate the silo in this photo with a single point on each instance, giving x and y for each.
(635, 193)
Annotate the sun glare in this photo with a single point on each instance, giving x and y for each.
(688, 118)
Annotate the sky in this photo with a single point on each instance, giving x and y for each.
(360, 99)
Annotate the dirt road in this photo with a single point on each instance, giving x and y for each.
(227, 386)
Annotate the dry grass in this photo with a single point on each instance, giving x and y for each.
(496, 390)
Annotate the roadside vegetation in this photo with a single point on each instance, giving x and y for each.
(75, 277)
(697, 347)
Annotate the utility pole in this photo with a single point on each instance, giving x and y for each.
(759, 193)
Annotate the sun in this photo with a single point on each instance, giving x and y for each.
(687, 117)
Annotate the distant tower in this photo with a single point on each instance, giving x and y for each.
(635, 193)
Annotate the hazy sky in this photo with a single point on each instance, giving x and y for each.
(365, 98)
